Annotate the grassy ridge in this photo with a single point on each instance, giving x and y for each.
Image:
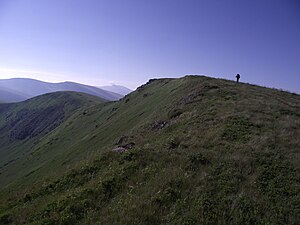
(205, 151)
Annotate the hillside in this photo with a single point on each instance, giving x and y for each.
(23, 125)
(19, 89)
(193, 150)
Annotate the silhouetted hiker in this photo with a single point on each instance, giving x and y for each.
(237, 78)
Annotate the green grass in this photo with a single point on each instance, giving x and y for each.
(207, 151)
(23, 125)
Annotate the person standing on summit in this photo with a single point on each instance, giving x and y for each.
(238, 77)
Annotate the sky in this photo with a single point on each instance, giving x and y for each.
(128, 42)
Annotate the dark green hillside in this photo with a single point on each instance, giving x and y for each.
(197, 150)
(23, 125)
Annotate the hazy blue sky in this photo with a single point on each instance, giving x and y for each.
(130, 41)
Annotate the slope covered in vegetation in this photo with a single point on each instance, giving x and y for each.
(23, 125)
(194, 150)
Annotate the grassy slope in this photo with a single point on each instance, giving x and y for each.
(23, 125)
(207, 151)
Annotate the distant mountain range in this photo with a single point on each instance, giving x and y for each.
(20, 89)
(117, 89)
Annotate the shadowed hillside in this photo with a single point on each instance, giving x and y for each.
(193, 150)
(23, 125)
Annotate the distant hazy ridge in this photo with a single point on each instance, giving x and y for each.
(19, 89)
